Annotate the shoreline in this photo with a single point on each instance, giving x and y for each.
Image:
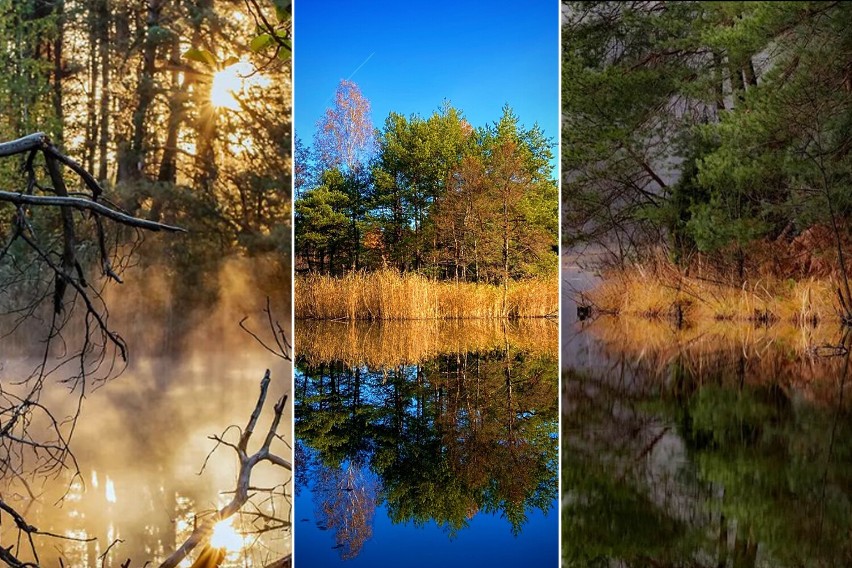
(666, 295)
(392, 296)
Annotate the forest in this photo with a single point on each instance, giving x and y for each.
(706, 157)
(178, 108)
(433, 197)
(706, 233)
(145, 152)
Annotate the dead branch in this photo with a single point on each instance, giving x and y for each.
(88, 205)
(49, 269)
(282, 348)
(59, 197)
(27, 530)
(285, 562)
(103, 557)
(241, 494)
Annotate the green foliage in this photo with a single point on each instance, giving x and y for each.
(441, 198)
(321, 220)
(26, 94)
(713, 227)
(712, 124)
(275, 34)
(283, 10)
(622, 64)
(202, 56)
(416, 157)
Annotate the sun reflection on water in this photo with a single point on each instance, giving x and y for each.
(110, 490)
(163, 500)
(225, 536)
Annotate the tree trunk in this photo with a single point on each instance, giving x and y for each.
(132, 156)
(91, 116)
(719, 82)
(58, 73)
(205, 124)
(168, 163)
(737, 84)
(750, 75)
(505, 253)
(103, 19)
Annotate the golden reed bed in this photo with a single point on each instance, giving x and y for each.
(660, 293)
(388, 344)
(389, 295)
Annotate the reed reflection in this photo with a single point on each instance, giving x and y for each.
(459, 419)
(714, 446)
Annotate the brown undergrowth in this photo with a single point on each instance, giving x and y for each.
(389, 295)
(389, 344)
(796, 279)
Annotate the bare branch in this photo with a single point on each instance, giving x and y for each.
(241, 493)
(89, 205)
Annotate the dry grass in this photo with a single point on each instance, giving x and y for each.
(389, 295)
(658, 293)
(389, 344)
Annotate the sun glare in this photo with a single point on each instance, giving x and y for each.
(226, 83)
(225, 536)
(232, 82)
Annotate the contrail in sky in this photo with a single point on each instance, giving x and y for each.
(362, 64)
(353, 73)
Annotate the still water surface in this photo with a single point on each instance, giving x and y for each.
(426, 444)
(725, 445)
(142, 438)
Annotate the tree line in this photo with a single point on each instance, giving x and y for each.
(430, 195)
(719, 129)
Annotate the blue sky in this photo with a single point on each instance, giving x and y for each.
(408, 57)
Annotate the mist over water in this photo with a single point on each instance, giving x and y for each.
(142, 437)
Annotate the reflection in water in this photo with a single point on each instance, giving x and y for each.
(440, 441)
(392, 343)
(143, 437)
(345, 499)
(716, 446)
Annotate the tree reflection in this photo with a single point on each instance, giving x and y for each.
(345, 499)
(444, 440)
(708, 460)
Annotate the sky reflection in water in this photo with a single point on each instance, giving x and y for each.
(444, 452)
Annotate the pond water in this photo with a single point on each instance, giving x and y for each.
(142, 438)
(426, 444)
(724, 445)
